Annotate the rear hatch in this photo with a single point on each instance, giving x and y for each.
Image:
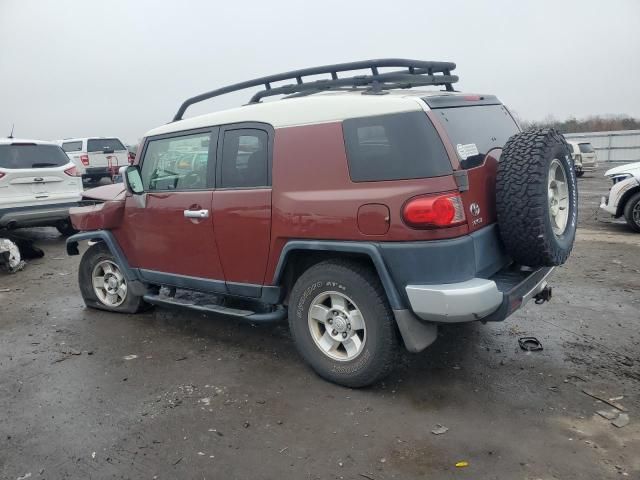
(35, 173)
(587, 153)
(106, 152)
(477, 126)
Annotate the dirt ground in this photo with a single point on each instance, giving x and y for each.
(176, 395)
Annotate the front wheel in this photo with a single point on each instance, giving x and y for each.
(341, 323)
(632, 212)
(103, 284)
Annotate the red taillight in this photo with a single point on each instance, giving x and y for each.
(1, 174)
(85, 160)
(444, 210)
(72, 172)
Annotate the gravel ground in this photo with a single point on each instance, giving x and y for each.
(173, 394)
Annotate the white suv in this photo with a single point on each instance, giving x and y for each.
(584, 157)
(38, 185)
(624, 196)
(96, 157)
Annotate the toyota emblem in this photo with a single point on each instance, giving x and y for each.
(474, 208)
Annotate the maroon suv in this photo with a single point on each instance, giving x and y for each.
(364, 209)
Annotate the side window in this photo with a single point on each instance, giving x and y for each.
(72, 146)
(397, 146)
(176, 163)
(245, 159)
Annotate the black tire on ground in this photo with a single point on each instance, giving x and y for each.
(579, 173)
(360, 283)
(92, 257)
(66, 228)
(522, 198)
(632, 212)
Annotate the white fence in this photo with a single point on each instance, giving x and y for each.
(620, 146)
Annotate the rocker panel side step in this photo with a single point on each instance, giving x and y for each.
(278, 314)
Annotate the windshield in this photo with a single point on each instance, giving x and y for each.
(585, 147)
(475, 130)
(32, 156)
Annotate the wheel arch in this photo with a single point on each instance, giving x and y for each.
(109, 241)
(298, 255)
(625, 198)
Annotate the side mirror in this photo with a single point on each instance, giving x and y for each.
(132, 179)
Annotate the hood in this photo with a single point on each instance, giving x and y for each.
(633, 168)
(105, 193)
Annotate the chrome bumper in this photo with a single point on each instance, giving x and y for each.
(475, 299)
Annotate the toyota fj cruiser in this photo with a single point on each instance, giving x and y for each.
(363, 209)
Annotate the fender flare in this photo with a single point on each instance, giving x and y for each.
(368, 249)
(111, 243)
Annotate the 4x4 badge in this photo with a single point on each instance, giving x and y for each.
(474, 208)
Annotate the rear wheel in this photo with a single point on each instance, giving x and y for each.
(103, 284)
(341, 323)
(579, 173)
(66, 228)
(537, 198)
(632, 212)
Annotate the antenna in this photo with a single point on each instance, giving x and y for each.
(12, 127)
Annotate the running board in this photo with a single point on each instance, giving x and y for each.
(278, 314)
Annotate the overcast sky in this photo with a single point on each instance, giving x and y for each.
(119, 67)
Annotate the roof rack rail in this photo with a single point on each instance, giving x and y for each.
(415, 73)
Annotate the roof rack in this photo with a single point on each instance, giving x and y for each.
(414, 73)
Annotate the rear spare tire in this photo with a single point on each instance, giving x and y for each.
(537, 198)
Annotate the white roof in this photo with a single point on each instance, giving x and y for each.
(9, 141)
(318, 108)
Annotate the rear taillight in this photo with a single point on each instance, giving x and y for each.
(85, 160)
(578, 158)
(433, 211)
(72, 172)
(132, 157)
(1, 174)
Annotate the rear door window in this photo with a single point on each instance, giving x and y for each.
(245, 159)
(398, 146)
(104, 144)
(32, 156)
(72, 146)
(475, 130)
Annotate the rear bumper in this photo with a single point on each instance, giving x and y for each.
(35, 215)
(587, 167)
(97, 172)
(491, 299)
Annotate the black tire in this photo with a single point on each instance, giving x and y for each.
(66, 228)
(633, 204)
(92, 257)
(579, 173)
(522, 201)
(361, 284)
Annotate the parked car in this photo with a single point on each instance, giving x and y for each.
(38, 185)
(584, 157)
(363, 214)
(624, 196)
(96, 157)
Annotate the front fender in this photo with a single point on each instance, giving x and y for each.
(110, 242)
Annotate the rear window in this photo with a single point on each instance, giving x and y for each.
(475, 130)
(585, 148)
(72, 146)
(399, 146)
(32, 156)
(102, 144)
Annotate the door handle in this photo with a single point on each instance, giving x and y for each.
(196, 213)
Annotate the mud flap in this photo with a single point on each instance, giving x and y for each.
(416, 334)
